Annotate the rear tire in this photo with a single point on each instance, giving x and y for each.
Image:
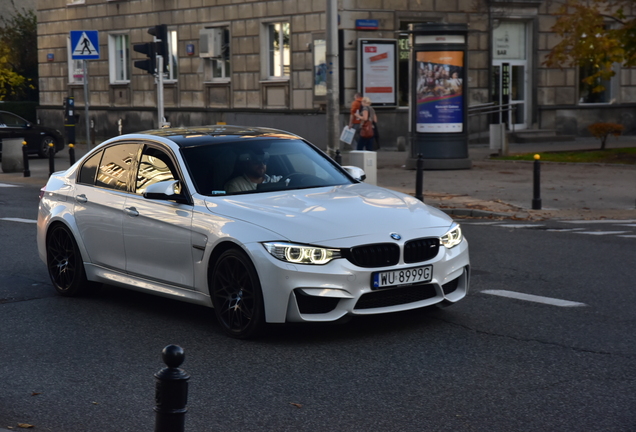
(236, 295)
(65, 264)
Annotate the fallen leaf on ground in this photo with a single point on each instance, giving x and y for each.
(297, 405)
(36, 393)
(25, 426)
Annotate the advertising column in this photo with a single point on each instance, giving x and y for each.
(438, 96)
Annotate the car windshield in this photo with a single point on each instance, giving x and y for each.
(259, 164)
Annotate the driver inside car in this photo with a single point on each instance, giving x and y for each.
(253, 166)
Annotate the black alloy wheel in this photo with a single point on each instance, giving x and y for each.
(236, 295)
(45, 147)
(64, 263)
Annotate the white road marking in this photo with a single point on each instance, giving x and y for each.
(564, 229)
(19, 220)
(534, 298)
(8, 185)
(600, 221)
(627, 236)
(600, 232)
(480, 223)
(627, 225)
(520, 225)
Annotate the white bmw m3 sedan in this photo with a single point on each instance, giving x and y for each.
(257, 223)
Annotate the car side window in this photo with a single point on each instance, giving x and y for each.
(12, 121)
(115, 168)
(154, 166)
(88, 171)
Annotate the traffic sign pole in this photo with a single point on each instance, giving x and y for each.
(88, 141)
(85, 46)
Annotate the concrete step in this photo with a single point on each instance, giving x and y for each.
(537, 136)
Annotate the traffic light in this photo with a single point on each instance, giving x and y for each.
(160, 32)
(150, 64)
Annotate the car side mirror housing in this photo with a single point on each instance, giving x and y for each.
(166, 190)
(355, 172)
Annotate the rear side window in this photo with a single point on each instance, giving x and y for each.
(89, 169)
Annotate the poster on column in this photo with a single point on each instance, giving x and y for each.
(378, 66)
(440, 99)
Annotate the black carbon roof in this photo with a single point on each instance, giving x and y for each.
(202, 135)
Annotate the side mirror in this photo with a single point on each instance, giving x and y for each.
(28, 125)
(355, 172)
(166, 190)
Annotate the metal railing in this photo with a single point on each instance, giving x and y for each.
(492, 108)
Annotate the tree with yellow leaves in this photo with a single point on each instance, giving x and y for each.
(18, 57)
(595, 34)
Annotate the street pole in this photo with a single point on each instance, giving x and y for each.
(333, 83)
(160, 112)
(88, 141)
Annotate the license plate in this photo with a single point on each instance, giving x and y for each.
(402, 277)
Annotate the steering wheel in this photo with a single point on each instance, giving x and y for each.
(287, 180)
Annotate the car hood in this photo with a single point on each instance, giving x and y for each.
(330, 213)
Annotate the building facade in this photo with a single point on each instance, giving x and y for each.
(262, 63)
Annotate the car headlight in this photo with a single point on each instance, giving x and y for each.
(301, 254)
(453, 237)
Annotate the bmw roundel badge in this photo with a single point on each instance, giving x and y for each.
(396, 236)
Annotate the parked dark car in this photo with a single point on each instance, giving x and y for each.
(37, 137)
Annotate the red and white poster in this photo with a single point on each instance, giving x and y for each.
(378, 70)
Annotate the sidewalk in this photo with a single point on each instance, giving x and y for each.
(505, 188)
(496, 189)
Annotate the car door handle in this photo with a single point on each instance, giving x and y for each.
(81, 198)
(131, 211)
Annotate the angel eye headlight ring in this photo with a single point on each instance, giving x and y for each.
(453, 236)
(301, 254)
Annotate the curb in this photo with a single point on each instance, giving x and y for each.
(476, 213)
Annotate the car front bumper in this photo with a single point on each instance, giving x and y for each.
(312, 293)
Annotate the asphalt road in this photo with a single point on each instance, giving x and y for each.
(489, 363)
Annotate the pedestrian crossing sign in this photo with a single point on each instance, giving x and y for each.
(85, 45)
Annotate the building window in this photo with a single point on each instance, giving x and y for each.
(75, 67)
(596, 90)
(320, 67)
(214, 46)
(278, 38)
(173, 57)
(119, 58)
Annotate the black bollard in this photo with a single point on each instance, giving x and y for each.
(419, 178)
(25, 158)
(71, 153)
(536, 195)
(51, 158)
(171, 392)
(338, 157)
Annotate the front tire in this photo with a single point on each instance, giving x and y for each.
(45, 148)
(64, 262)
(236, 295)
